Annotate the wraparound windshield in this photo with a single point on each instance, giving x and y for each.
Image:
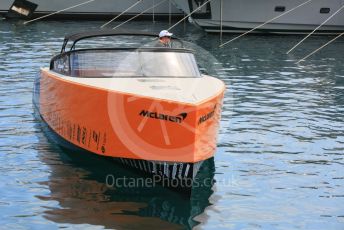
(133, 64)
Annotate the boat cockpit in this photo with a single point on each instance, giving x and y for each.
(125, 55)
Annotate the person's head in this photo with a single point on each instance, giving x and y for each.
(165, 36)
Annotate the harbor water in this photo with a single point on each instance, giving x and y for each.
(279, 162)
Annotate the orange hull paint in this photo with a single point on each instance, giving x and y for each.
(117, 124)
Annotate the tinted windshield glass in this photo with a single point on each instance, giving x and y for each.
(167, 64)
(133, 64)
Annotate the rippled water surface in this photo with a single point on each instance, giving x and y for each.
(279, 163)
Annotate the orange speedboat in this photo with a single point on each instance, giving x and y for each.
(149, 108)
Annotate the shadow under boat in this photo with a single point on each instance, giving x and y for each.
(84, 187)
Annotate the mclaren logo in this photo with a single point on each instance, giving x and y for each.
(207, 116)
(177, 119)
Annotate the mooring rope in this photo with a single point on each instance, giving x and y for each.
(189, 14)
(265, 23)
(48, 15)
(132, 18)
(221, 20)
(136, 3)
(329, 18)
(320, 48)
(169, 13)
(153, 13)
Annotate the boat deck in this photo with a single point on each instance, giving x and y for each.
(185, 90)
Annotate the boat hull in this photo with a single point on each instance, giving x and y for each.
(273, 28)
(171, 142)
(99, 9)
(239, 16)
(161, 171)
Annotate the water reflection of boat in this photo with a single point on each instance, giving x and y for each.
(242, 15)
(78, 184)
(99, 9)
(148, 108)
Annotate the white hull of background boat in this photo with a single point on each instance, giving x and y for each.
(96, 9)
(242, 15)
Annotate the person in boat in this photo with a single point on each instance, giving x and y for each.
(164, 39)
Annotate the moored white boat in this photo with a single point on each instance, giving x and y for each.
(98, 9)
(242, 15)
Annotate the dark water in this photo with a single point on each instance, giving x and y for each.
(279, 163)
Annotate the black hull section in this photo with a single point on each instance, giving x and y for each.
(229, 29)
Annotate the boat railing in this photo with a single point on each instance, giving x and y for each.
(71, 41)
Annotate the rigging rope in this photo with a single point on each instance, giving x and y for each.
(316, 29)
(189, 15)
(136, 3)
(320, 48)
(139, 14)
(45, 16)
